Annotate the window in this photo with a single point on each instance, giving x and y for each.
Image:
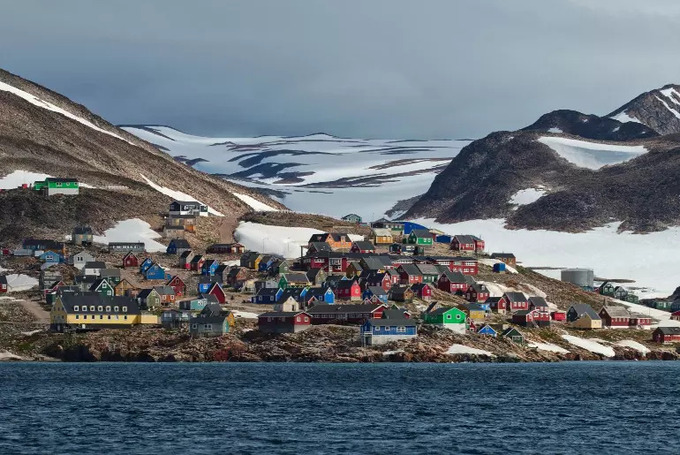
(101, 316)
(77, 316)
(125, 317)
(115, 308)
(269, 319)
(298, 319)
(125, 311)
(194, 326)
(108, 293)
(100, 308)
(109, 316)
(76, 308)
(386, 329)
(207, 326)
(108, 309)
(92, 308)
(401, 329)
(306, 319)
(59, 184)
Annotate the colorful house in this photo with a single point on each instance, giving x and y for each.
(52, 186)
(209, 267)
(666, 335)
(582, 316)
(51, 257)
(94, 311)
(453, 282)
(348, 290)
(3, 284)
(487, 330)
(381, 236)
(383, 330)
(196, 263)
(474, 311)
(155, 272)
(177, 285)
(167, 294)
(103, 287)
(184, 261)
(144, 266)
(409, 274)
(352, 218)
(216, 290)
(124, 287)
(450, 318)
(82, 236)
(353, 313)
(508, 258)
(294, 280)
(375, 294)
(130, 260)
(477, 292)
(283, 322)
(178, 246)
(362, 246)
(265, 296)
(467, 243)
(422, 290)
(401, 293)
(429, 272)
(513, 335)
(614, 317)
(149, 299)
(422, 237)
(211, 321)
(513, 301)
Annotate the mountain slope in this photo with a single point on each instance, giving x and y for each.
(657, 109)
(317, 173)
(44, 132)
(561, 174)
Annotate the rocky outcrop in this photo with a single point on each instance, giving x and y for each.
(657, 109)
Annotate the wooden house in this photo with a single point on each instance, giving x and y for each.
(178, 246)
(453, 319)
(124, 287)
(513, 301)
(375, 294)
(583, 316)
(422, 290)
(353, 270)
(453, 282)
(78, 260)
(209, 267)
(294, 280)
(155, 272)
(283, 322)
(620, 293)
(177, 285)
(167, 294)
(3, 284)
(184, 261)
(348, 290)
(93, 268)
(82, 236)
(126, 247)
(336, 240)
(386, 329)
(409, 274)
(381, 236)
(467, 244)
(51, 257)
(103, 287)
(352, 218)
(362, 246)
(558, 316)
(197, 263)
(319, 295)
(149, 299)
(216, 290)
(401, 293)
(396, 248)
(236, 275)
(513, 335)
(421, 237)
(352, 313)
(477, 292)
(508, 258)
(607, 289)
(211, 321)
(614, 317)
(429, 272)
(265, 296)
(179, 208)
(146, 263)
(486, 329)
(375, 278)
(666, 335)
(175, 319)
(640, 321)
(316, 277)
(130, 260)
(474, 311)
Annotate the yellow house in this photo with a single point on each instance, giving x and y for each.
(382, 236)
(96, 311)
(474, 311)
(123, 288)
(587, 322)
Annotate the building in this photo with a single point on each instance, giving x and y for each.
(453, 282)
(362, 246)
(453, 319)
(52, 186)
(422, 237)
(353, 314)
(284, 322)
(179, 208)
(401, 293)
(82, 235)
(467, 244)
(175, 319)
(211, 321)
(386, 329)
(477, 292)
(474, 311)
(91, 310)
(409, 274)
(666, 335)
(375, 294)
(513, 335)
(352, 218)
(126, 247)
(582, 316)
(508, 258)
(3, 284)
(614, 317)
(348, 290)
(381, 236)
(178, 246)
(78, 260)
(149, 299)
(422, 290)
(513, 301)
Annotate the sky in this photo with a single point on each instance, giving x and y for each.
(352, 68)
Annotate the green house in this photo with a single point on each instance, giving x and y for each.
(607, 289)
(420, 237)
(660, 304)
(450, 318)
(513, 335)
(103, 287)
(51, 186)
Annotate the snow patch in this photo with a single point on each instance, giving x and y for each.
(641, 348)
(6, 355)
(554, 129)
(625, 118)
(244, 314)
(527, 196)
(548, 347)
(590, 345)
(19, 283)
(397, 351)
(591, 155)
(132, 230)
(51, 107)
(462, 349)
(282, 240)
(177, 195)
(491, 262)
(19, 178)
(254, 203)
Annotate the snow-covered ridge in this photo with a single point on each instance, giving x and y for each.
(317, 173)
(54, 108)
(177, 195)
(591, 155)
(623, 117)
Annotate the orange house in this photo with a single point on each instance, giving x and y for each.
(336, 240)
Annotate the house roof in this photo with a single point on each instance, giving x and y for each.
(320, 246)
(345, 284)
(510, 331)
(340, 309)
(669, 330)
(164, 290)
(144, 293)
(364, 245)
(373, 263)
(180, 243)
(401, 322)
(418, 286)
(479, 287)
(382, 232)
(393, 313)
(95, 265)
(464, 239)
(583, 308)
(377, 291)
(616, 311)
(428, 269)
(502, 255)
(421, 233)
(516, 296)
(454, 277)
(282, 314)
(472, 306)
(538, 302)
(212, 309)
(296, 278)
(210, 319)
(410, 269)
(69, 300)
(109, 273)
(82, 230)
(267, 292)
(399, 289)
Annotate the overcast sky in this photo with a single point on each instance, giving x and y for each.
(367, 68)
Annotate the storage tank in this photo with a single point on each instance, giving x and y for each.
(584, 278)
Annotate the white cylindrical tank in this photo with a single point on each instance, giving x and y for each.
(579, 277)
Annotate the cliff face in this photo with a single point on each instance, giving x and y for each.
(657, 109)
(591, 171)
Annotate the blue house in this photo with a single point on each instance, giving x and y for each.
(205, 281)
(386, 329)
(51, 257)
(145, 265)
(210, 267)
(316, 295)
(487, 330)
(178, 246)
(375, 293)
(265, 295)
(445, 238)
(154, 272)
(409, 226)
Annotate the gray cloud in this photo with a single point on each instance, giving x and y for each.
(378, 68)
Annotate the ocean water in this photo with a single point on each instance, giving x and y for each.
(566, 408)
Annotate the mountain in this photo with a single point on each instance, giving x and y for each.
(317, 173)
(43, 133)
(568, 171)
(657, 109)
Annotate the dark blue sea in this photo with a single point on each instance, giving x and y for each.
(567, 408)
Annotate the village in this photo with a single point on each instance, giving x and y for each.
(395, 283)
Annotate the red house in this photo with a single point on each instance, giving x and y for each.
(409, 274)
(615, 317)
(196, 263)
(375, 278)
(216, 290)
(355, 314)
(666, 335)
(177, 285)
(348, 290)
(283, 322)
(528, 318)
(453, 282)
(639, 320)
(477, 292)
(466, 243)
(464, 265)
(130, 260)
(559, 316)
(53, 287)
(422, 290)
(3, 284)
(362, 247)
(513, 301)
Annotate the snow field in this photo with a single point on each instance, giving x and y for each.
(589, 345)
(285, 241)
(462, 349)
(132, 230)
(591, 155)
(178, 195)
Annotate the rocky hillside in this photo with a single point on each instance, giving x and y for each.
(579, 176)
(44, 132)
(657, 109)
